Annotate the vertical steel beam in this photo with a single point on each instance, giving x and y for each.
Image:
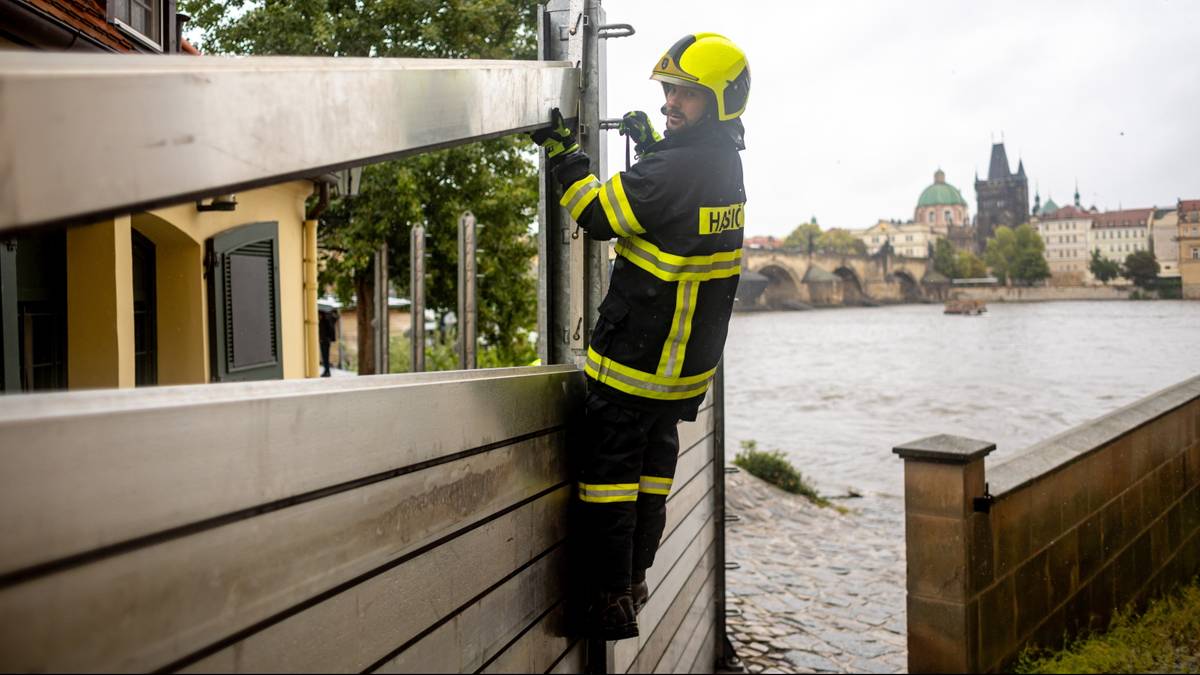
(724, 657)
(416, 287)
(381, 310)
(467, 306)
(573, 272)
(9, 356)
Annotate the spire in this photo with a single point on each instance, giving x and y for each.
(1021, 167)
(998, 168)
(1076, 193)
(939, 176)
(1037, 201)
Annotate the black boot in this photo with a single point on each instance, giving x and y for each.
(611, 616)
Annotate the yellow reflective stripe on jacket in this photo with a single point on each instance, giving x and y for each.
(670, 267)
(581, 193)
(648, 385)
(671, 361)
(655, 485)
(608, 493)
(617, 209)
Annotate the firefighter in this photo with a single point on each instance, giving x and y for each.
(678, 217)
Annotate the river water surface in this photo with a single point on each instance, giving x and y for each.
(837, 389)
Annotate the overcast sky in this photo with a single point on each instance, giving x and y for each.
(855, 104)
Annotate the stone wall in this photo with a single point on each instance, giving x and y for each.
(1042, 293)
(1075, 527)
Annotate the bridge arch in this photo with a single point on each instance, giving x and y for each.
(852, 287)
(783, 289)
(909, 286)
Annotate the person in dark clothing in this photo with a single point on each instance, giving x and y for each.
(327, 321)
(678, 217)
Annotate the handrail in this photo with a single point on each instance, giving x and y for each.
(93, 136)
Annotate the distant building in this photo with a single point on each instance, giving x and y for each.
(1065, 232)
(941, 206)
(907, 239)
(1116, 234)
(1164, 240)
(1188, 214)
(1003, 199)
(762, 242)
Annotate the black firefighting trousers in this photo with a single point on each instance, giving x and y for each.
(624, 475)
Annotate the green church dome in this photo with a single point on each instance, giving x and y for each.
(940, 193)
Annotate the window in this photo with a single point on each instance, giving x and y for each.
(143, 19)
(1196, 253)
(243, 300)
(931, 214)
(948, 218)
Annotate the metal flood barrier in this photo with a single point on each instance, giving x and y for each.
(390, 523)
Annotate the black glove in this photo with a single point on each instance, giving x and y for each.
(636, 124)
(563, 157)
(557, 139)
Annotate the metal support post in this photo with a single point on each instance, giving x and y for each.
(416, 287)
(10, 374)
(467, 306)
(380, 323)
(573, 274)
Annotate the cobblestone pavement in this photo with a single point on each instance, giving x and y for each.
(818, 591)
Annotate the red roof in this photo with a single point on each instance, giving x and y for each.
(1189, 205)
(1067, 212)
(1126, 218)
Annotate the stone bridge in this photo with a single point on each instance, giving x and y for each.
(794, 278)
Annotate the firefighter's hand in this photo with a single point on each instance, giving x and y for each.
(636, 124)
(557, 139)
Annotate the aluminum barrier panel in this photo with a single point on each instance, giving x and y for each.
(159, 130)
(388, 523)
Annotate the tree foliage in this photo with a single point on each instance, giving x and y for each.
(970, 266)
(945, 259)
(1102, 268)
(1017, 255)
(494, 179)
(1141, 267)
(810, 238)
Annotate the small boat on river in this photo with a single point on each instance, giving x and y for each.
(967, 307)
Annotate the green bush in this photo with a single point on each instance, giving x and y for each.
(1165, 639)
(774, 468)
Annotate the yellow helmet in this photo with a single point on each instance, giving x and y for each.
(710, 61)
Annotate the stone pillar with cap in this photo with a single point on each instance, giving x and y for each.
(947, 543)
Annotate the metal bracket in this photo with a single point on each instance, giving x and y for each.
(565, 33)
(610, 124)
(730, 518)
(984, 504)
(733, 566)
(732, 470)
(614, 30)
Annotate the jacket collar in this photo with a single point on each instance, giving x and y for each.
(731, 132)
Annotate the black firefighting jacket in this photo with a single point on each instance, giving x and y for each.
(678, 216)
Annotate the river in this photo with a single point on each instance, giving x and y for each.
(837, 389)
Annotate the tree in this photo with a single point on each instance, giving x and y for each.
(970, 266)
(1142, 268)
(1017, 255)
(840, 242)
(494, 179)
(1102, 268)
(804, 237)
(945, 261)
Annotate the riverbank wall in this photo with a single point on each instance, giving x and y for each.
(1050, 543)
(1042, 293)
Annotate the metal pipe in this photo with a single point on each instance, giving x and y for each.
(381, 323)
(467, 306)
(311, 332)
(238, 123)
(416, 287)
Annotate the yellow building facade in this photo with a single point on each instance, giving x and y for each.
(178, 295)
(1189, 247)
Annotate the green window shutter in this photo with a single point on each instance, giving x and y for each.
(243, 299)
